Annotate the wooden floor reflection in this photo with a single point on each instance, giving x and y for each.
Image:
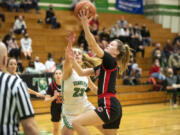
(153, 119)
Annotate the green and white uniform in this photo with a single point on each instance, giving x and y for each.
(75, 101)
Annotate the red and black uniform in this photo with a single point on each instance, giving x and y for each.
(109, 108)
(56, 104)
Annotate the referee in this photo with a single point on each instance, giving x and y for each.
(15, 105)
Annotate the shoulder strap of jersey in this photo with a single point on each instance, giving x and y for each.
(52, 88)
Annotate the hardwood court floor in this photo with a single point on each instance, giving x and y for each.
(152, 119)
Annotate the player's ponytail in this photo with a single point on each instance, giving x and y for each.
(124, 56)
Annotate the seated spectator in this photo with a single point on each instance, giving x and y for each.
(12, 4)
(155, 71)
(136, 44)
(168, 49)
(7, 37)
(133, 73)
(170, 83)
(137, 30)
(174, 62)
(20, 25)
(26, 46)
(176, 47)
(39, 66)
(20, 66)
(146, 39)
(50, 64)
(157, 53)
(13, 49)
(122, 22)
(51, 18)
(113, 32)
(94, 29)
(60, 63)
(35, 5)
(95, 20)
(123, 34)
(104, 35)
(31, 68)
(26, 5)
(131, 30)
(176, 38)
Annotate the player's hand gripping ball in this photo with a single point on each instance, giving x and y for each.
(85, 5)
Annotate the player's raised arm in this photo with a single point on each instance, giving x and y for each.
(83, 15)
(67, 66)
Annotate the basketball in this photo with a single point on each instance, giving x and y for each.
(87, 6)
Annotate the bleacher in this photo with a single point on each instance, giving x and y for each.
(45, 39)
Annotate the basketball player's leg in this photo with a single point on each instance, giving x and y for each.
(86, 119)
(66, 131)
(55, 128)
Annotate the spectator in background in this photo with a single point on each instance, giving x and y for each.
(35, 5)
(157, 53)
(60, 63)
(137, 30)
(31, 68)
(12, 4)
(7, 37)
(13, 49)
(123, 34)
(122, 22)
(133, 73)
(176, 47)
(104, 35)
(94, 30)
(136, 44)
(39, 66)
(176, 38)
(20, 66)
(26, 5)
(20, 25)
(170, 84)
(131, 31)
(174, 62)
(168, 49)
(51, 18)
(155, 71)
(26, 45)
(146, 39)
(95, 20)
(50, 64)
(113, 32)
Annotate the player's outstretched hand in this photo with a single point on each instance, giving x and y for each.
(84, 16)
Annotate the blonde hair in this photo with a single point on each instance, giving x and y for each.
(89, 62)
(124, 56)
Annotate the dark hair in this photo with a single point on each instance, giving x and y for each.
(9, 59)
(124, 55)
(49, 55)
(31, 64)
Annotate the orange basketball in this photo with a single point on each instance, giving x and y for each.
(87, 6)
